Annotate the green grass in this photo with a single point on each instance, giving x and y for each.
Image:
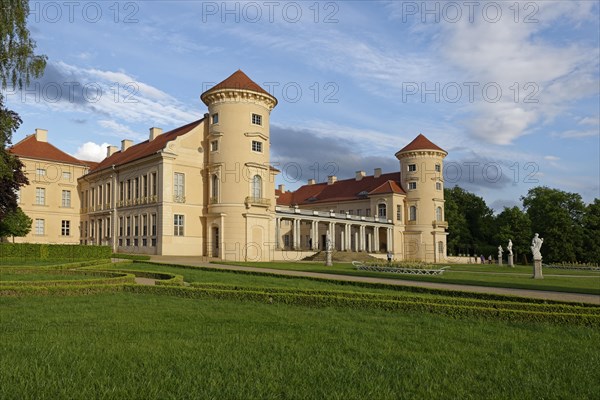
(144, 346)
(518, 277)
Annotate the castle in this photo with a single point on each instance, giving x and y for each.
(208, 189)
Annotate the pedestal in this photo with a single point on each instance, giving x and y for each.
(499, 259)
(510, 261)
(537, 269)
(328, 259)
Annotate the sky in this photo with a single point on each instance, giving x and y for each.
(511, 90)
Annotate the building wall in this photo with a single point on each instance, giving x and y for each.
(57, 177)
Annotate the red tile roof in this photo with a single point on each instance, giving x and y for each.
(144, 149)
(238, 80)
(30, 147)
(421, 143)
(349, 189)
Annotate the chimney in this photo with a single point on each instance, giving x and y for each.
(110, 150)
(41, 135)
(377, 173)
(311, 182)
(125, 144)
(360, 175)
(331, 179)
(281, 188)
(154, 132)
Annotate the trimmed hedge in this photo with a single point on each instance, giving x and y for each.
(103, 277)
(43, 252)
(62, 290)
(399, 288)
(455, 311)
(137, 257)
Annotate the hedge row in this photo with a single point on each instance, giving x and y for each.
(120, 279)
(44, 252)
(137, 257)
(62, 290)
(497, 304)
(162, 278)
(411, 289)
(456, 311)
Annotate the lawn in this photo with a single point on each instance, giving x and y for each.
(492, 276)
(122, 345)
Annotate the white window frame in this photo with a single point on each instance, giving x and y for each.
(256, 187)
(256, 119)
(257, 146)
(438, 186)
(178, 224)
(65, 228)
(412, 167)
(382, 206)
(214, 145)
(179, 187)
(439, 214)
(438, 168)
(412, 213)
(40, 196)
(66, 199)
(214, 119)
(66, 175)
(40, 226)
(412, 185)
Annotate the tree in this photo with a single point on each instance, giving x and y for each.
(18, 64)
(514, 224)
(557, 217)
(16, 223)
(473, 218)
(591, 232)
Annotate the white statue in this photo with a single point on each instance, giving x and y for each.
(509, 247)
(536, 245)
(500, 251)
(328, 242)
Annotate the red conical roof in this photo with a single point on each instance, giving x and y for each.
(421, 143)
(237, 80)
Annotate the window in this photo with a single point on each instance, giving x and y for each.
(108, 194)
(145, 225)
(145, 242)
(215, 189)
(66, 198)
(359, 212)
(153, 241)
(342, 211)
(136, 226)
(129, 191)
(40, 226)
(40, 196)
(257, 119)
(438, 214)
(178, 225)
(412, 167)
(179, 188)
(154, 178)
(136, 187)
(412, 213)
(412, 185)
(66, 176)
(40, 172)
(286, 240)
(368, 212)
(382, 210)
(399, 212)
(257, 187)
(108, 227)
(145, 185)
(438, 185)
(257, 146)
(351, 212)
(128, 226)
(99, 230)
(215, 118)
(153, 223)
(120, 226)
(121, 191)
(441, 247)
(438, 168)
(214, 145)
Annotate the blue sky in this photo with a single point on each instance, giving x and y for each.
(510, 90)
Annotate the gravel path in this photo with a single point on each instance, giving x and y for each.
(537, 294)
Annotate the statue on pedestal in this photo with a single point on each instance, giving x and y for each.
(500, 251)
(536, 245)
(509, 247)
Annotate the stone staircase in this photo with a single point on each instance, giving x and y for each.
(341, 256)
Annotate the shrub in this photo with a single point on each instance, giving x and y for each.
(43, 252)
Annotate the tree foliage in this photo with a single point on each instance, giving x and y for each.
(514, 224)
(18, 64)
(591, 232)
(15, 223)
(558, 217)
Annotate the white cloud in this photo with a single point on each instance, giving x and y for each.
(574, 134)
(91, 151)
(551, 158)
(593, 121)
(121, 131)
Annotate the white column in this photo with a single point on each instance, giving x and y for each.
(369, 242)
(390, 240)
(376, 238)
(316, 236)
(348, 237)
(342, 239)
(332, 234)
(277, 233)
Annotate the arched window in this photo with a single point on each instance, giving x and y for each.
(412, 213)
(215, 188)
(257, 187)
(438, 214)
(382, 210)
(441, 247)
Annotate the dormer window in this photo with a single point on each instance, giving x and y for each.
(364, 193)
(215, 118)
(256, 119)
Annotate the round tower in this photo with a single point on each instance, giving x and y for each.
(241, 192)
(421, 167)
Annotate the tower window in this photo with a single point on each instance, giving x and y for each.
(438, 185)
(412, 213)
(438, 168)
(214, 145)
(438, 214)
(257, 146)
(412, 185)
(412, 167)
(257, 119)
(257, 187)
(215, 118)
(399, 212)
